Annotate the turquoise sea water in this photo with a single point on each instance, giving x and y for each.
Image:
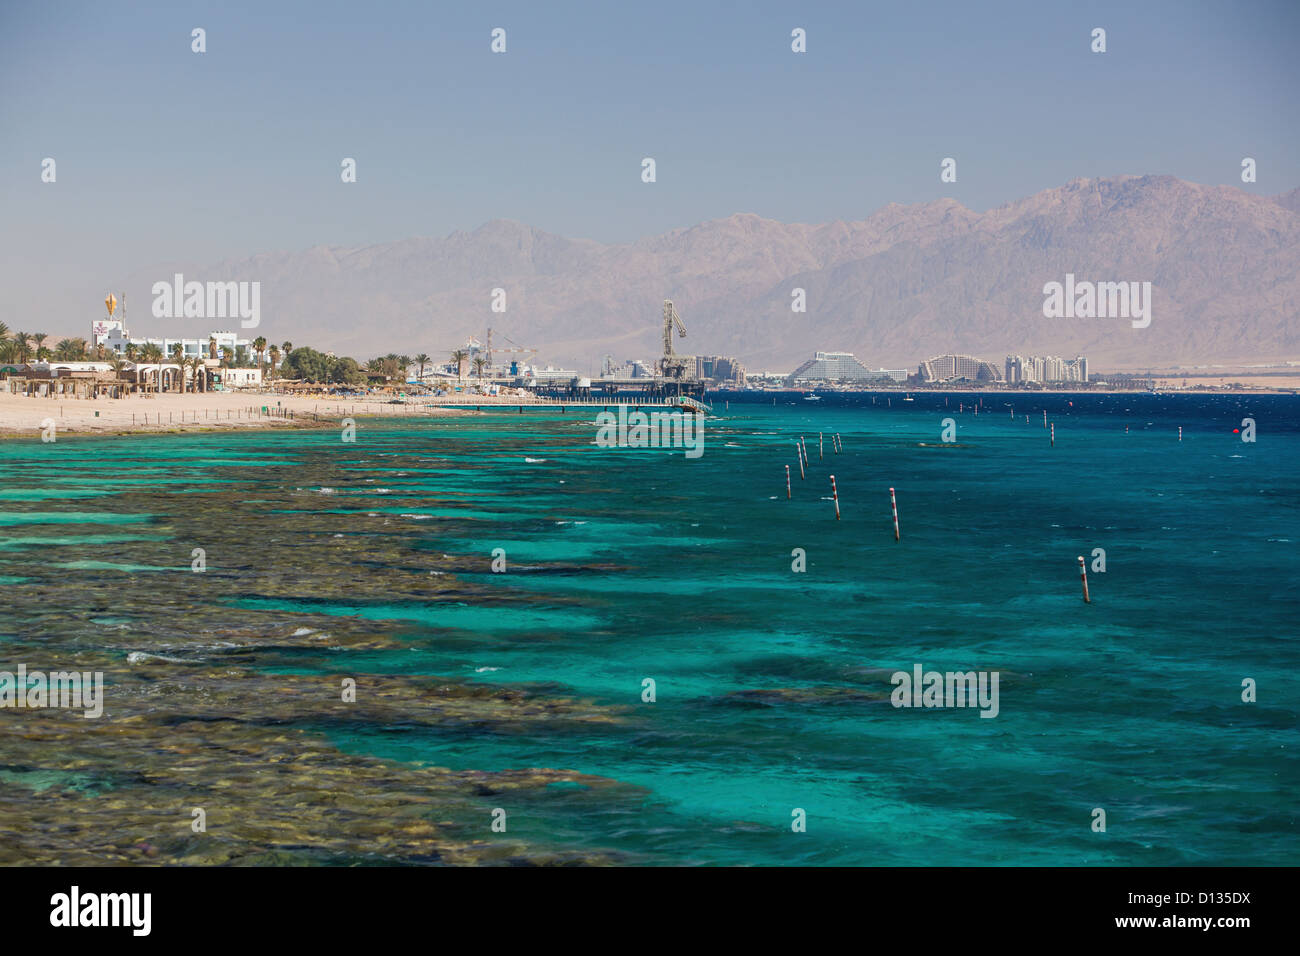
(772, 686)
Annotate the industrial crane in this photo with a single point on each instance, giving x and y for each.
(526, 353)
(672, 365)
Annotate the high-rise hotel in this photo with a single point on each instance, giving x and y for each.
(1044, 369)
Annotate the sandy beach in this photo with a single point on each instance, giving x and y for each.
(173, 412)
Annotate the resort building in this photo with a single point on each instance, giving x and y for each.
(631, 368)
(89, 378)
(958, 368)
(834, 367)
(720, 368)
(114, 337)
(1044, 369)
(238, 377)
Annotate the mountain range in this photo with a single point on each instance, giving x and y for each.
(895, 288)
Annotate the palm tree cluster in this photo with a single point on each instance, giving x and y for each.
(22, 347)
(458, 358)
(268, 357)
(391, 365)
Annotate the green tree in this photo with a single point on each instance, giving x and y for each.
(153, 355)
(259, 349)
(178, 356)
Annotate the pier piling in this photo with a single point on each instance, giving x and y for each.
(1083, 576)
(836, 496)
(893, 503)
(787, 482)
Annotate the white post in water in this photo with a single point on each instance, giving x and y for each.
(787, 482)
(1083, 576)
(893, 503)
(1044, 418)
(836, 495)
(1180, 432)
(820, 447)
(800, 456)
(1053, 434)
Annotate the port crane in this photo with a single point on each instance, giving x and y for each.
(673, 365)
(524, 353)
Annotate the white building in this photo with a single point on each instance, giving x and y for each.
(113, 335)
(1046, 369)
(238, 377)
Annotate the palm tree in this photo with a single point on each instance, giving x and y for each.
(286, 347)
(4, 331)
(178, 353)
(459, 357)
(423, 360)
(39, 338)
(479, 364)
(259, 346)
(24, 343)
(130, 351)
(275, 359)
(66, 350)
(43, 354)
(153, 355)
(196, 369)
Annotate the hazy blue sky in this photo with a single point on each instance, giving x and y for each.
(166, 154)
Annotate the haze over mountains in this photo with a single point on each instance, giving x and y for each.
(906, 283)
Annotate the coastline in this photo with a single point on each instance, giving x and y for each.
(176, 413)
(169, 413)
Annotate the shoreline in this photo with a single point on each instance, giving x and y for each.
(27, 417)
(24, 416)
